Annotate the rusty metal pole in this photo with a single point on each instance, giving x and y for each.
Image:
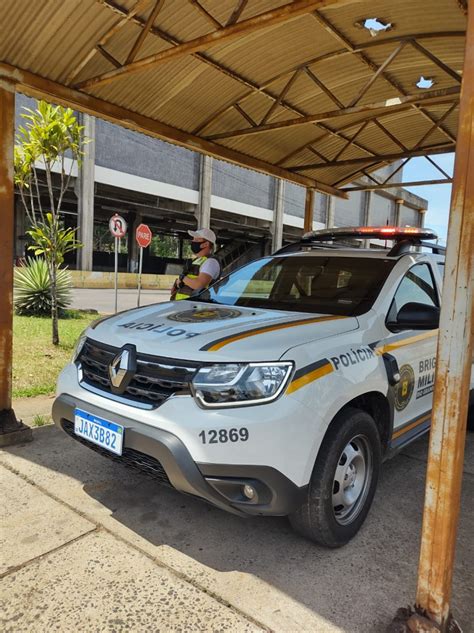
(11, 431)
(451, 394)
(308, 210)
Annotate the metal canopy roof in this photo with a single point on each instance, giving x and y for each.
(302, 90)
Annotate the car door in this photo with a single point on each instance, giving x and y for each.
(415, 354)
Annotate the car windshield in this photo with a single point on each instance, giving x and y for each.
(345, 286)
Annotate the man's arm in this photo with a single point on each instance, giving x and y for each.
(201, 281)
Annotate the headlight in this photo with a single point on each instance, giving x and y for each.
(79, 345)
(240, 384)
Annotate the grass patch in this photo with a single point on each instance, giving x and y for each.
(41, 420)
(36, 361)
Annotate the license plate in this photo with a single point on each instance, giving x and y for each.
(102, 432)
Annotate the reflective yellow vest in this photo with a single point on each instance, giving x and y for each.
(191, 271)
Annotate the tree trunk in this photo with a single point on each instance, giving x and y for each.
(54, 306)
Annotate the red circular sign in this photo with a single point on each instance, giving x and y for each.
(143, 235)
(117, 226)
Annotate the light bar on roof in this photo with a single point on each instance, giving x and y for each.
(396, 233)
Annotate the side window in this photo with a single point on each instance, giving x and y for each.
(416, 286)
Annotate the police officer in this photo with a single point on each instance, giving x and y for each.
(202, 270)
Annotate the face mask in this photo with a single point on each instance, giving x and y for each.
(196, 247)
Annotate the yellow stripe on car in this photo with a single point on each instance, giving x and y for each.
(411, 426)
(389, 347)
(213, 347)
(310, 377)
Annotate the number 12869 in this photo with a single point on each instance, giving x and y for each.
(221, 436)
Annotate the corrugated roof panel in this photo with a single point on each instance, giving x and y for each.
(55, 38)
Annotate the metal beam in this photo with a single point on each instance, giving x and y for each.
(453, 371)
(144, 32)
(396, 104)
(208, 16)
(124, 18)
(382, 158)
(237, 12)
(377, 73)
(396, 185)
(39, 87)
(257, 23)
(449, 71)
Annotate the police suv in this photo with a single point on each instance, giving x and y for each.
(277, 391)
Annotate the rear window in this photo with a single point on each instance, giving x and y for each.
(345, 286)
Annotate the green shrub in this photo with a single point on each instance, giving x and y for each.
(33, 289)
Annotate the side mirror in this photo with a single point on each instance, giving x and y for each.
(416, 316)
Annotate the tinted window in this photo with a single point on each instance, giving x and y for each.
(329, 285)
(416, 286)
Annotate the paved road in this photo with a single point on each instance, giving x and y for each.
(103, 300)
(91, 545)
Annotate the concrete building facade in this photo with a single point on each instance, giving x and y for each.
(173, 189)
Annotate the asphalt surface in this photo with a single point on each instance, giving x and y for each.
(103, 300)
(92, 546)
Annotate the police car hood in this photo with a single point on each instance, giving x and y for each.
(201, 331)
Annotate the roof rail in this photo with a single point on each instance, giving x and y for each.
(404, 246)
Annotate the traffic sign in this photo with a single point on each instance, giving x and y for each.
(117, 226)
(143, 235)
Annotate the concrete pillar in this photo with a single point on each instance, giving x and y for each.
(398, 212)
(85, 194)
(308, 210)
(203, 212)
(278, 210)
(330, 211)
(421, 217)
(367, 202)
(133, 250)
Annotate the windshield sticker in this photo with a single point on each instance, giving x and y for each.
(210, 314)
(404, 389)
(161, 328)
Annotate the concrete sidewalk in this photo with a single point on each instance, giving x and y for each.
(92, 546)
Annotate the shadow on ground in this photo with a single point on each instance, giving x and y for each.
(356, 588)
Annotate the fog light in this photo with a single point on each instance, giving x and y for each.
(249, 492)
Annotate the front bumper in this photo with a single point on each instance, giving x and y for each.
(164, 456)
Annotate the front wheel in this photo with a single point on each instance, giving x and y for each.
(343, 482)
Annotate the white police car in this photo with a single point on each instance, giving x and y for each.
(280, 390)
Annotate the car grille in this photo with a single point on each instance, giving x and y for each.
(130, 457)
(155, 381)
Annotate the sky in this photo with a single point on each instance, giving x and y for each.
(438, 196)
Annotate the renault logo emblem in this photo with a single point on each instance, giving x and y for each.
(123, 368)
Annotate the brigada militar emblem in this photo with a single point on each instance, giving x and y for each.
(205, 314)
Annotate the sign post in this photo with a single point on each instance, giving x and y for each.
(118, 229)
(143, 236)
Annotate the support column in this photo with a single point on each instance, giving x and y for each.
(278, 210)
(330, 211)
(308, 210)
(453, 370)
(366, 217)
(421, 217)
(11, 430)
(85, 193)
(203, 212)
(398, 208)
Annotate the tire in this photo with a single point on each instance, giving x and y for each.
(351, 450)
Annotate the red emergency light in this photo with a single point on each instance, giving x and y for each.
(396, 233)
